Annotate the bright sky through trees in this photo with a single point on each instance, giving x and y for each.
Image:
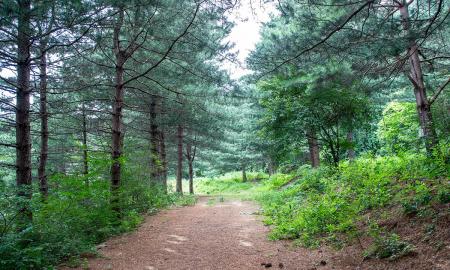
(248, 18)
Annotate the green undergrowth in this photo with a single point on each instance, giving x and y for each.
(229, 184)
(328, 202)
(76, 216)
(386, 245)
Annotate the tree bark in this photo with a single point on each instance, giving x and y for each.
(351, 150)
(190, 156)
(191, 177)
(23, 136)
(314, 152)
(271, 167)
(43, 155)
(85, 146)
(155, 161)
(179, 187)
(416, 77)
(334, 153)
(244, 174)
(162, 152)
(117, 136)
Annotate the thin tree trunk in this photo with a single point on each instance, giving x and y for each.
(416, 77)
(191, 177)
(62, 160)
(271, 167)
(314, 152)
(23, 136)
(85, 146)
(117, 116)
(179, 187)
(43, 156)
(335, 156)
(351, 150)
(334, 153)
(162, 152)
(155, 165)
(244, 174)
(190, 155)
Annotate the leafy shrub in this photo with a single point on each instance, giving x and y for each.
(184, 200)
(389, 247)
(444, 195)
(416, 195)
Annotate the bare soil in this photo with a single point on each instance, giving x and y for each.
(230, 235)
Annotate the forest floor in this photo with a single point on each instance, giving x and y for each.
(217, 233)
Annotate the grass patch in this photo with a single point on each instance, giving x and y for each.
(230, 184)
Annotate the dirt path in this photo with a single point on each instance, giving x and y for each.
(218, 235)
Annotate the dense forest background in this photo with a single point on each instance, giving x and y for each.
(102, 103)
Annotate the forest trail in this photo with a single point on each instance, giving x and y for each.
(213, 234)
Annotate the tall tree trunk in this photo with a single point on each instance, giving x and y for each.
(271, 167)
(191, 177)
(85, 146)
(117, 136)
(179, 185)
(43, 156)
(314, 152)
(23, 136)
(351, 149)
(416, 77)
(190, 155)
(162, 152)
(155, 165)
(62, 168)
(244, 174)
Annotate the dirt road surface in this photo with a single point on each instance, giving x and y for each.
(210, 235)
(216, 234)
